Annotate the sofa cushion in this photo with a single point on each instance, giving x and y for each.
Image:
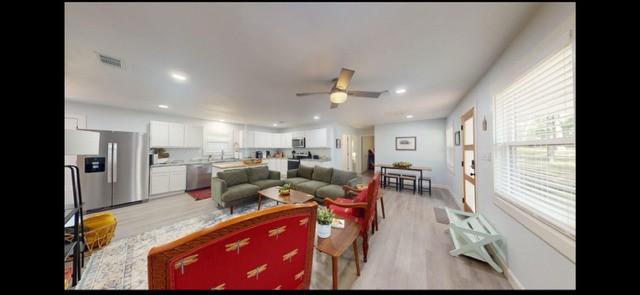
(340, 177)
(330, 191)
(240, 191)
(305, 172)
(267, 183)
(295, 180)
(322, 174)
(234, 177)
(257, 173)
(310, 187)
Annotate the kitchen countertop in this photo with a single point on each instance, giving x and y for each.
(237, 164)
(316, 160)
(191, 162)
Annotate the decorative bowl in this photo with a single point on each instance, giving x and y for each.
(402, 164)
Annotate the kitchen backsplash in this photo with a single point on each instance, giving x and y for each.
(181, 154)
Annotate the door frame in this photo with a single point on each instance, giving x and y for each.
(469, 114)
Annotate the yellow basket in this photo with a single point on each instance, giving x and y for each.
(99, 230)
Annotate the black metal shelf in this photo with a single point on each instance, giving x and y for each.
(68, 249)
(68, 214)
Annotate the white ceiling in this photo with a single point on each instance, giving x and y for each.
(246, 61)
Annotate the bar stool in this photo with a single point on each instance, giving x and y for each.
(412, 179)
(388, 176)
(421, 188)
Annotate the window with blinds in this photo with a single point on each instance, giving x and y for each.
(534, 142)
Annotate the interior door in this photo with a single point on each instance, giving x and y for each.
(468, 162)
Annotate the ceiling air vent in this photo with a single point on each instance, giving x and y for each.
(108, 60)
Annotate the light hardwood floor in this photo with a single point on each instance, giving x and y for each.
(410, 250)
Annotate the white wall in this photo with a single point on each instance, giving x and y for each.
(532, 261)
(119, 119)
(430, 146)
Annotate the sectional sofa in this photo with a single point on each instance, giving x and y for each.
(232, 187)
(321, 182)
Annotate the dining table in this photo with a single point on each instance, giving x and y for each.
(421, 169)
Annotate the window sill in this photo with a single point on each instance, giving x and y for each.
(563, 244)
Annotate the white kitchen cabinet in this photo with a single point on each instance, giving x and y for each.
(159, 134)
(159, 183)
(297, 134)
(168, 179)
(249, 139)
(193, 136)
(176, 135)
(285, 140)
(277, 164)
(316, 138)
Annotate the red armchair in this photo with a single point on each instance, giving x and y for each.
(361, 209)
(267, 249)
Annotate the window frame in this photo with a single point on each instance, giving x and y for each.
(548, 233)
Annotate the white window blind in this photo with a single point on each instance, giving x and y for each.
(534, 142)
(449, 143)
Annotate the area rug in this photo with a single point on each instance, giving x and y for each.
(201, 194)
(441, 215)
(123, 263)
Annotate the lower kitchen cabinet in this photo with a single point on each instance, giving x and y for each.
(279, 165)
(310, 163)
(167, 179)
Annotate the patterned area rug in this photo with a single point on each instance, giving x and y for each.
(123, 263)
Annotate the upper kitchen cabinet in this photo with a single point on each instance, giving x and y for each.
(174, 135)
(159, 134)
(316, 138)
(285, 140)
(193, 136)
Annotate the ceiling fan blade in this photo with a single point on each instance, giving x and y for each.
(334, 105)
(369, 94)
(344, 79)
(312, 93)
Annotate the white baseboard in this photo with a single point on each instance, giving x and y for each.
(442, 186)
(511, 277)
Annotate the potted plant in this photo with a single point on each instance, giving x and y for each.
(324, 220)
(285, 189)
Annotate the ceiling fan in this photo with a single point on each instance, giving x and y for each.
(339, 92)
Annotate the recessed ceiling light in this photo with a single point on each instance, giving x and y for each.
(316, 117)
(275, 124)
(179, 77)
(221, 120)
(401, 90)
(162, 106)
(409, 116)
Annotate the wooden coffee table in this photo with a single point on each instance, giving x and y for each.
(293, 197)
(337, 243)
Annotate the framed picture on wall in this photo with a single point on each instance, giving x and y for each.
(407, 143)
(456, 138)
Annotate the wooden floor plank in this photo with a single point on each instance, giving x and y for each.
(410, 250)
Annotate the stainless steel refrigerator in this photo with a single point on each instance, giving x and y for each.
(119, 174)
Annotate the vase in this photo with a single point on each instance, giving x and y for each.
(323, 230)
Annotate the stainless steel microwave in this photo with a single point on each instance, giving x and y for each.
(297, 142)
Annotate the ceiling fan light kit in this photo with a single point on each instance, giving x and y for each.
(339, 93)
(338, 97)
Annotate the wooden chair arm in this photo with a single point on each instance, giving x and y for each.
(329, 201)
(347, 188)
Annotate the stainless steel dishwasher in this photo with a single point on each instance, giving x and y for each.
(198, 176)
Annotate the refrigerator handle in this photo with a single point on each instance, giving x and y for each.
(109, 161)
(115, 162)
